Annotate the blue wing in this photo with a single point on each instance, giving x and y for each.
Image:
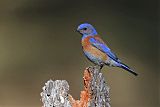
(104, 48)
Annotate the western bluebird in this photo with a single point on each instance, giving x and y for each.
(97, 51)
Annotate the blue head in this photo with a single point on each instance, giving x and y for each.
(86, 30)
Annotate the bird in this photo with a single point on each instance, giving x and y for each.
(96, 50)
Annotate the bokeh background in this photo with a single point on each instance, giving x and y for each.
(38, 42)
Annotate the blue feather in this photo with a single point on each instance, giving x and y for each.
(104, 48)
(124, 66)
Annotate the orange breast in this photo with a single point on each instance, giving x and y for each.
(87, 47)
(85, 42)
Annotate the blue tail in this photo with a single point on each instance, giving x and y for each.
(127, 69)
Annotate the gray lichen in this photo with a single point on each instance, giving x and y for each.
(55, 92)
(99, 89)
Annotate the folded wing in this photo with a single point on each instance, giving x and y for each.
(99, 44)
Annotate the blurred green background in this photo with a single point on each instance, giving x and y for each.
(38, 42)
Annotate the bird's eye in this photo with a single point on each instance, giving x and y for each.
(84, 28)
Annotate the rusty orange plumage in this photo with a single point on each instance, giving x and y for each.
(88, 47)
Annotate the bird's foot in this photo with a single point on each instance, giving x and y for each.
(101, 66)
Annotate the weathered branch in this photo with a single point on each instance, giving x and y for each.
(95, 93)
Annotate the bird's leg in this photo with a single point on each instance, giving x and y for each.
(101, 66)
